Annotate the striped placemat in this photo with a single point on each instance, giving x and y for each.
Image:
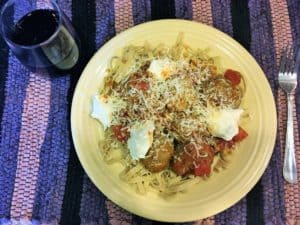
(41, 180)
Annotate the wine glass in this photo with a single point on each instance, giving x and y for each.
(40, 35)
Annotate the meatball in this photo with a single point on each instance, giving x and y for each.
(158, 157)
(221, 93)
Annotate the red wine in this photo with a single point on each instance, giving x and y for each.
(42, 43)
(35, 27)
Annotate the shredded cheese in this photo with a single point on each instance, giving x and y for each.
(158, 89)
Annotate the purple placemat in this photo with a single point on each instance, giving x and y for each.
(41, 180)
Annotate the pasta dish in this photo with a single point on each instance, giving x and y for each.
(170, 115)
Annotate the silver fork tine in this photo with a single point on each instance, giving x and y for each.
(290, 60)
(283, 61)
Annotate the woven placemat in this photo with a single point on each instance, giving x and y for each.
(41, 180)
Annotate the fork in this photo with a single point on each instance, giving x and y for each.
(287, 78)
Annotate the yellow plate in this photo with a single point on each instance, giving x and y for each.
(221, 190)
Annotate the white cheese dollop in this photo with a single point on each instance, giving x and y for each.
(224, 123)
(162, 68)
(141, 138)
(103, 108)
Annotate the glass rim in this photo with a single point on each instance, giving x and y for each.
(10, 2)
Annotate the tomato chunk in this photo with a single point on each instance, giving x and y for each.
(121, 133)
(202, 169)
(222, 145)
(242, 134)
(140, 85)
(233, 76)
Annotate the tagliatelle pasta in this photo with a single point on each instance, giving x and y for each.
(168, 112)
